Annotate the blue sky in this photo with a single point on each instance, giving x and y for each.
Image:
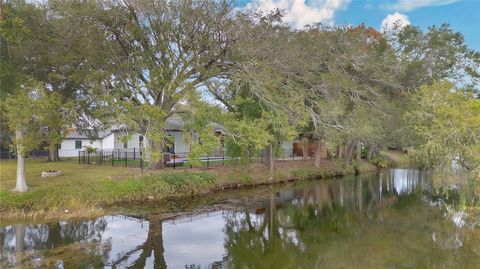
(462, 15)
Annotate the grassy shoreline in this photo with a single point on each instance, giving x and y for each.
(89, 191)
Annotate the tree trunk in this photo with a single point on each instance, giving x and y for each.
(349, 153)
(371, 151)
(317, 154)
(156, 155)
(19, 241)
(304, 152)
(270, 158)
(339, 151)
(358, 156)
(53, 153)
(156, 235)
(323, 150)
(21, 185)
(57, 154)
(304, 142)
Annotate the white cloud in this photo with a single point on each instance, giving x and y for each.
(408, 5)
(394, 22)
(301, 12)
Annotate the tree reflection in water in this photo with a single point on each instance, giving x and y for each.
(29, 244)
(388, 220)
(380, 222)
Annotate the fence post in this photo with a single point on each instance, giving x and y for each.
(126, 158)
(141, 160)
(223, 158)
(208, 161)
(134, 154)
(112, 157)
(174, 160)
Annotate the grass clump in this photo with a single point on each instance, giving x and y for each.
(156, 186)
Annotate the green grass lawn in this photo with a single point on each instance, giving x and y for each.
(78, 182)
(81, 188)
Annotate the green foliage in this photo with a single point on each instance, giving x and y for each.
(245, 136)
(379, 161)
(90, 149)
(18, 110)
(436, 54)
(56, 116)
(447, 122)
(199, 132)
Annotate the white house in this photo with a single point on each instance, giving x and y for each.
(118, 138)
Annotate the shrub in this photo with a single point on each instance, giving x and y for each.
(379, 161)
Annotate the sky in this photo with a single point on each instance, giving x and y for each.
(462, 15)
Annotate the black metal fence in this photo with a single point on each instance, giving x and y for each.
(135, 157)
(119, 157)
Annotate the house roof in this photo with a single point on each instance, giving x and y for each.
(75, 134)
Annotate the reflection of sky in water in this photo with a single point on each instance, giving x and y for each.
(404, 180)
(124, 235)
(196, 241)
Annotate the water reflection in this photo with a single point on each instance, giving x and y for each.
(378, 221)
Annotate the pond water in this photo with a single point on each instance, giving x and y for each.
(393, 219)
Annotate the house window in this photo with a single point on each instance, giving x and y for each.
(78, 144)
(125, 145)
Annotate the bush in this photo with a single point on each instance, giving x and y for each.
(380, 161)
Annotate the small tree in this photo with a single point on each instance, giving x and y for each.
(19, 109)
(56, 118)
(447, 123)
